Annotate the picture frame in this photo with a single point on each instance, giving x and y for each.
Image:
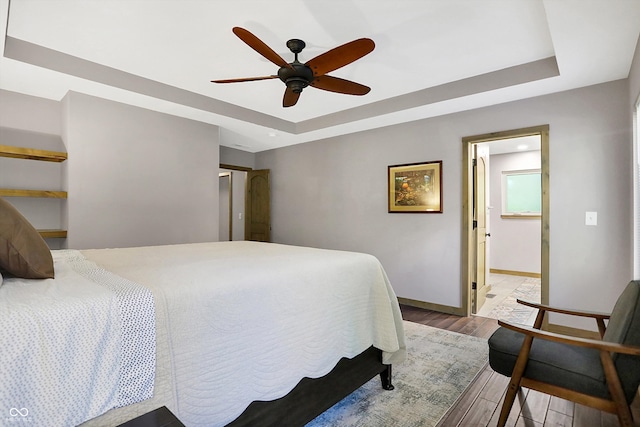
(415, 187)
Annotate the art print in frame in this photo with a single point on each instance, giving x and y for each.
(416, 187)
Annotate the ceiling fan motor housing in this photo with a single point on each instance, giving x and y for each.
(296, 78)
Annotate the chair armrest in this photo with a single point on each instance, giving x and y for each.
(594, 314)
(566, 339)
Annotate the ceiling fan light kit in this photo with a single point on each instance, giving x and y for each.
(296, 75)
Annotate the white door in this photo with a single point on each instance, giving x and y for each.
(479, 287)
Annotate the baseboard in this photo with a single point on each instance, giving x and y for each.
(515, 273)
(458, 311)
(574, 332)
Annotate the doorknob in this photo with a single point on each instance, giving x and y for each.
(488, 234)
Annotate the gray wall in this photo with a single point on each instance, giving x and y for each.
(30, 113)
(333, 193)
(137, 177)
(231, 156)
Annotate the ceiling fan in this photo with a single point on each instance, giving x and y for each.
(297, 75)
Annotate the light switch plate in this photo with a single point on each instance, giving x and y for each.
(591, 218)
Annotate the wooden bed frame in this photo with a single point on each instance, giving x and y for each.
(311, 397)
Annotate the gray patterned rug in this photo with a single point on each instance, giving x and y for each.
(439, 367)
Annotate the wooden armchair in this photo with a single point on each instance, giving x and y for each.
(604, 374)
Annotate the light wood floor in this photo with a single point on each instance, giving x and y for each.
(480, 405)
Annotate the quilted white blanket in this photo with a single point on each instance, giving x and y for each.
(73, 347)
(245, 321)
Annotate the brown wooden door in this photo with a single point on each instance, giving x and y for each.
(257, 223)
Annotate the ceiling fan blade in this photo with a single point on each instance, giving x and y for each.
(340, 56)
(245, 79)
(335, 84)
(259, 46)
(290, 98)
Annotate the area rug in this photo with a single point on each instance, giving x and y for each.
(511, 311)
(439, 367)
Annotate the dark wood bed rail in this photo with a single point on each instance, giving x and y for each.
(311, 397)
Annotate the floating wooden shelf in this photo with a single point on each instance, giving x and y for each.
(32, 154)
(8, 192)
(42, 155)
(53, 234)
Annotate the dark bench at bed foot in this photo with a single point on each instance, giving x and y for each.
(161, 417)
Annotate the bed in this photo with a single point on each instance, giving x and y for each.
(220, 333)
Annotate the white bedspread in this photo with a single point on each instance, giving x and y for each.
(246, 321)
(73, 347)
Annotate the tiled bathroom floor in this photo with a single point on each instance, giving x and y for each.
(501, 299)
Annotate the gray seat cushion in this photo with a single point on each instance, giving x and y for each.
(559, 364)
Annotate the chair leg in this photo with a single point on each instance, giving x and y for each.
(516, 376)
(624, 417)
(615, 389)
(509, 398)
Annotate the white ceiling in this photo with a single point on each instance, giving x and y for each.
(432, 57)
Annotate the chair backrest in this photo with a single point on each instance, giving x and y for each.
(624, 328)
(624, 324)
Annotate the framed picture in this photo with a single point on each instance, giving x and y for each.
(416, 187)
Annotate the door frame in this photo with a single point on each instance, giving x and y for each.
(467, 207)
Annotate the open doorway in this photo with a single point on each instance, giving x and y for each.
(225, 206)
(231, 201)
(513, 227)
(488, 272)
